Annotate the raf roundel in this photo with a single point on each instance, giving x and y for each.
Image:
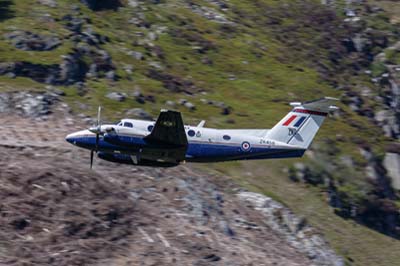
(246, 146)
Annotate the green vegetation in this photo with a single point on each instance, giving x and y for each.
(272, 53)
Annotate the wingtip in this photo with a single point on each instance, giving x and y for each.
(331, 98)
(168, 111)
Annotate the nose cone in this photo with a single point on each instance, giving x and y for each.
(84, 139)
(77, 137)
(71, 138)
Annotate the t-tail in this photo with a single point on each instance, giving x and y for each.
(299, 127)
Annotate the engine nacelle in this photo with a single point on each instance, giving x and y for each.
(127, 159)
(123, 140)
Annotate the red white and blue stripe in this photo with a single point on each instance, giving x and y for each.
(297, 120)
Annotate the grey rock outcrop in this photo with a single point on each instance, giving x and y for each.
(294, 229)
(29, 41)
(4, 102)
(28, 104)
(72, 69)
(41, 73)
(392, 165)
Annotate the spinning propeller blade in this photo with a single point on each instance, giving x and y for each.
(97, 130)
(91, 158)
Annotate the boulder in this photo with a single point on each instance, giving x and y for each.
(6, 67)
(392, 165)
(73, 24)
(150, 98)
(31, 105)
(102, 4)
(128, 69)
(41, 73)
(381, 116)
(371, 173)
(139, 113)
(136, 55)
(226, 110)
(182, 101)
(92, 73)
(152, 36)
(4, 102)
(139, 97)
(110, 75)
(170, 103)
(190, 106)
(27, 41)
(133, 3)
(81, 88)
(55, 91)
(209, 13)
(116, 96)
(228, 231)
(50, 3)
(156, 65)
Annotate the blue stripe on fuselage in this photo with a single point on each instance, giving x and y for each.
(216, 152)
(89, 142)
(197, 151)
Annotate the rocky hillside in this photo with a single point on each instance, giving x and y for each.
(236, 64)
(56, 211)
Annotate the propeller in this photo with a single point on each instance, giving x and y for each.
(96, 130)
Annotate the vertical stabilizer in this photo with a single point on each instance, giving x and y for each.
(300, 125)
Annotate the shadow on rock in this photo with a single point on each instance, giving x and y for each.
(5, 10)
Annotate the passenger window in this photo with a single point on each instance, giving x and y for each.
(226, 137)
(127, 124)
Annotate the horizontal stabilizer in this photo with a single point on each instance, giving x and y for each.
(321, 105)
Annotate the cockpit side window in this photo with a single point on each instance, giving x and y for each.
(128, 124)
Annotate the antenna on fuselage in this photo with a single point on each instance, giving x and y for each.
(201, 124)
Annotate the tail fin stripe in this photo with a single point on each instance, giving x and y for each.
(305, 111)
(298, 123)
(290, 120)
(299, 127)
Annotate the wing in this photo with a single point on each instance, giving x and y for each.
(168, 130)
(324, 104)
